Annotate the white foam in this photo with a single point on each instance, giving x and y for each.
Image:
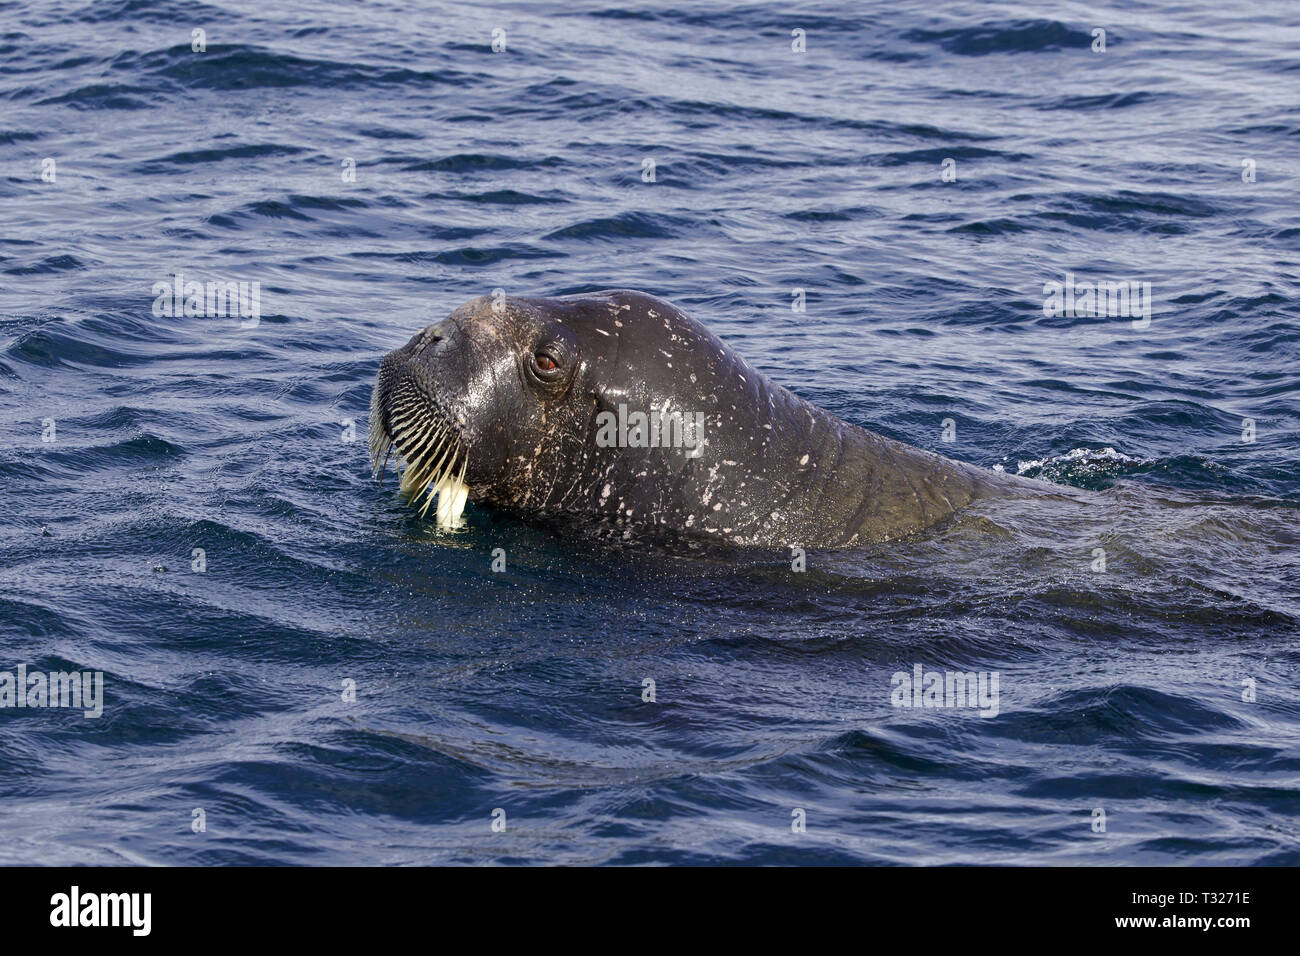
(1086, 455)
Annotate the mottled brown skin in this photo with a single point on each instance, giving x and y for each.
(774, 469)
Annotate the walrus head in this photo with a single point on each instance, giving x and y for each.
(506, 401)
(619, 407)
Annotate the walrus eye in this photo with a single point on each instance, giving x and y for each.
(547, 364)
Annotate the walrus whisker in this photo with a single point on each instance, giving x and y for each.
(428, 500)
(422, 484)
(379, 442)
(414, 440)
(441, 472)
(464, 465)
(384, 469)
(429, 491)
(431, 486)
(420, 467)
(426, 429)
(418, 462)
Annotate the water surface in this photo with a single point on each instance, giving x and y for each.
(1120, 690)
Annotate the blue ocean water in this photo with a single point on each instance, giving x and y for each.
(1147, 712)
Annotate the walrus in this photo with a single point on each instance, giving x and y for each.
(618, 407)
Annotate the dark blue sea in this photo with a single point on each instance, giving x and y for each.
(297, 669)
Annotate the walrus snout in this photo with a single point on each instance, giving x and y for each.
(408, 412)
(430, 337)
(417, 378)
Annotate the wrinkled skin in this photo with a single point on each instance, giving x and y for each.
(772, 469)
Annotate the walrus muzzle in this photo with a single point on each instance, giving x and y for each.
(404, 414)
